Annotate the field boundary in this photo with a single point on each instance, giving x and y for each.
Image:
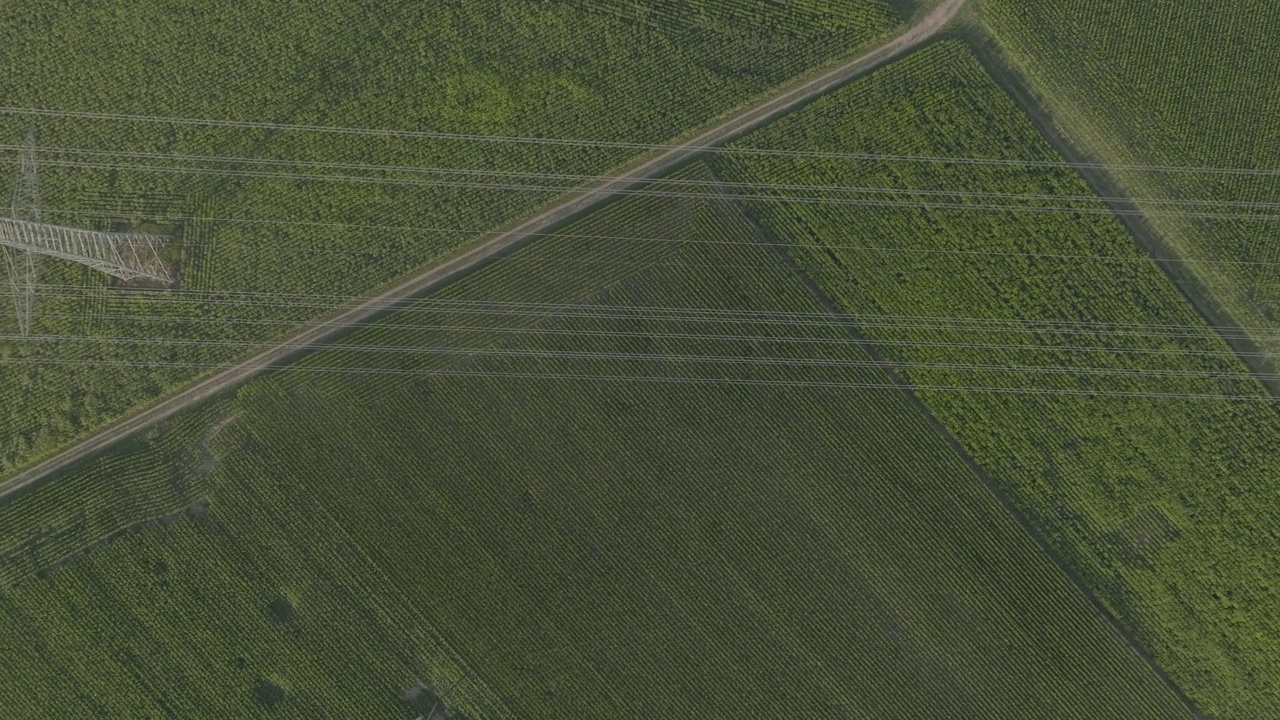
(851, 328)
(1022, 91)
(771, 106)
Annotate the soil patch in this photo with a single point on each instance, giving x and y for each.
(267, 693)
(282, 610)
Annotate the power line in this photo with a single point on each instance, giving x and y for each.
(558, 311)
(762, 197)
(715, 337)
(745, 318)
(669, 262)
(583, 178)
(115, 213)
(617, 144)
(701, 359)
(700, 315)
(647, 192)
(811, 384)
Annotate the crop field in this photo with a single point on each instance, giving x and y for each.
(1038, 332)
(315, 215)
(749, 520)
(1183, 101)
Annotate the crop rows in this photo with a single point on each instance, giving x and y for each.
(1139, 495)
(1144, 84)
(496, 68)
(216, 577)
(750, 17)
(588, 547)
(184, 619)
(151, 480)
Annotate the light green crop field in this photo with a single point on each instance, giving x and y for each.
(749, 520)
(330, 215)
(1116, 420)
(1146, 86)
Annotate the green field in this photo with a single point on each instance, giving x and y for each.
(1142, 83)
(337, 214)
(700, 539)
(1115, 433)
(880, 412)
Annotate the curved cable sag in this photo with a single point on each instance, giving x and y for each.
(582, 178)
(616, 144)
(715, 381)
(647, 192)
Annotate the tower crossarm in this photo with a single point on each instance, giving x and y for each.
(124, 255)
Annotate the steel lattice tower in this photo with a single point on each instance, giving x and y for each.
(22, 263)
(23, 237)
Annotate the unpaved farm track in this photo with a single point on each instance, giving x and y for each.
(766, 109)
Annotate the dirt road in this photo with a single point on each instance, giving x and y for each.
(750, 118)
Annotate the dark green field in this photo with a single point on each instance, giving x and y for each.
(1122, 425)
(946, 395)
(717, 544)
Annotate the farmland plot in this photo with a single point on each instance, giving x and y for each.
(1040, 334)
(748, 520)
(1181, 100)
(305, 212)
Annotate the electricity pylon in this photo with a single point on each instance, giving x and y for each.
(23, 237)
(21, 263)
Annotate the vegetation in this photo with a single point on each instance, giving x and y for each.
(151, 481)
(1144, 85)
(695, 540)
(1112, 423)
(662, 462)
(337, 214)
